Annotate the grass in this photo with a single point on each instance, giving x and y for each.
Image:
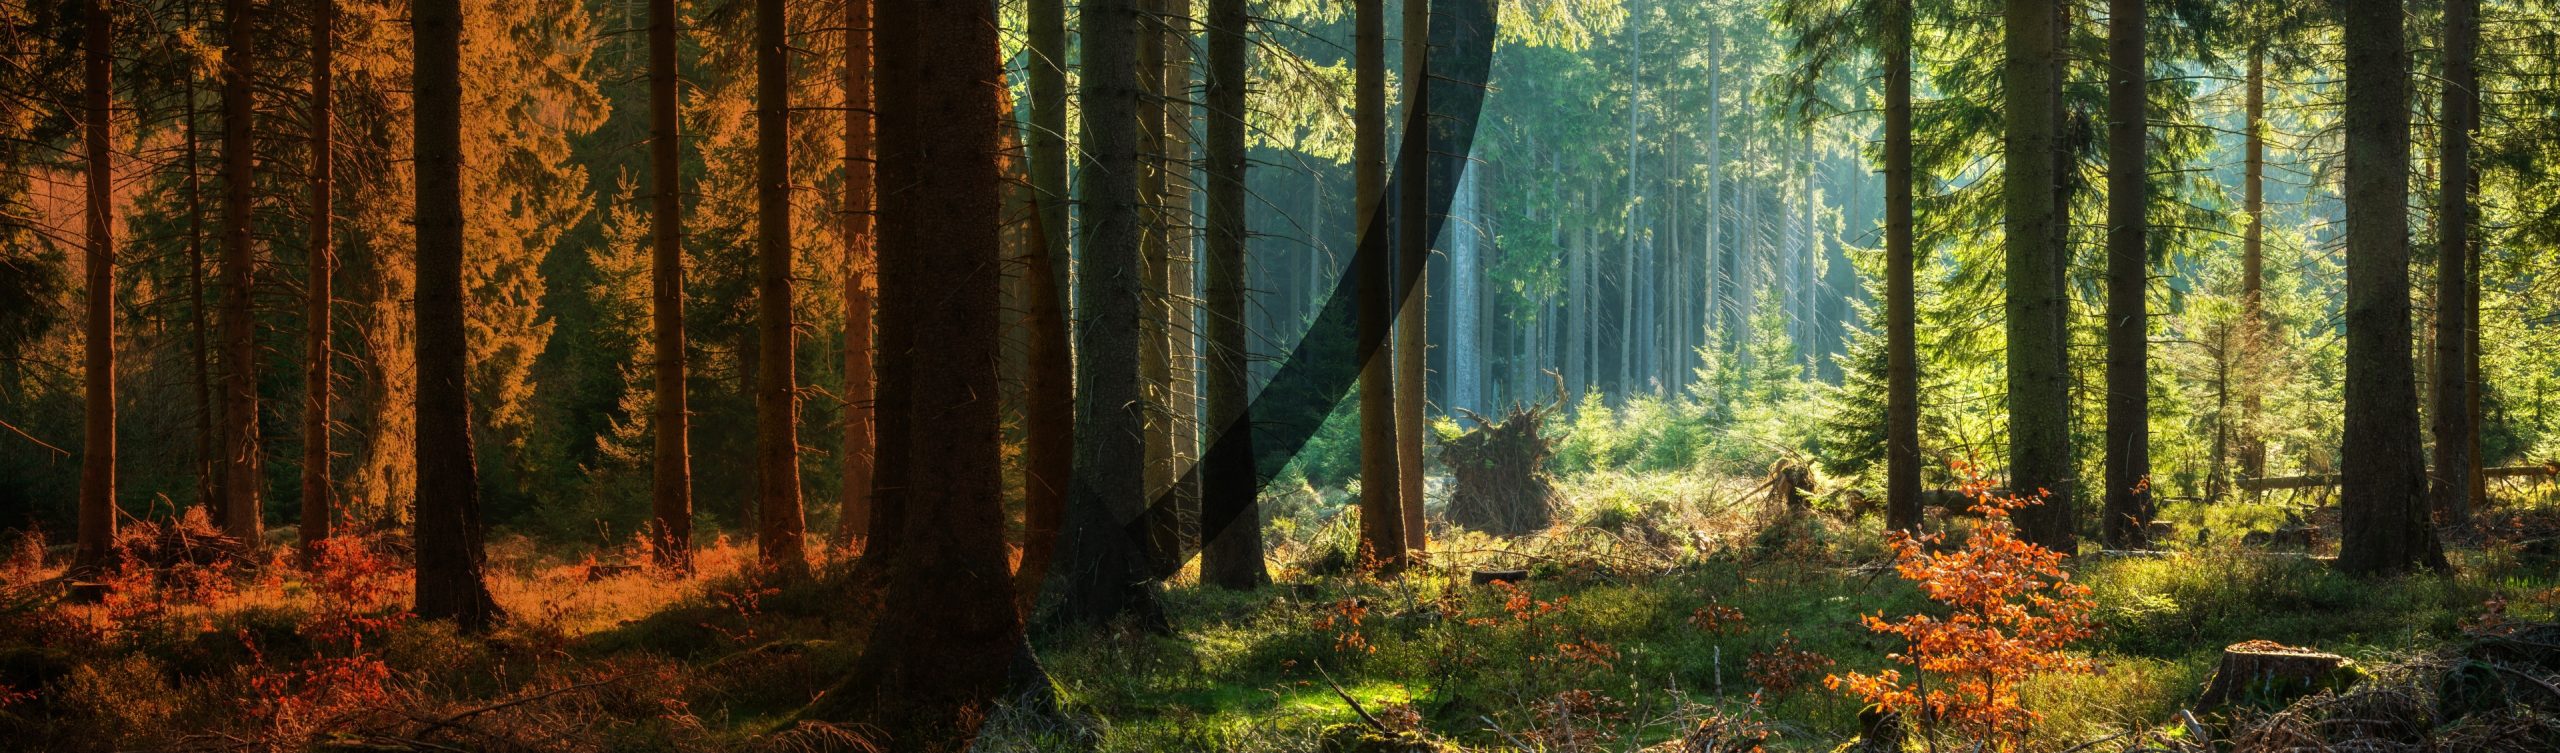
(1640, 622)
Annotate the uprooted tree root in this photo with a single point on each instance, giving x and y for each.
(1501, 472)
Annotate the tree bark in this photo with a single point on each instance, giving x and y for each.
(948, 632)
(1181, 286)
(779, 520)
(2384, 529)
(2128, 455)
(1902, 375)
(671, 458)
(210, 491)
(1229, 557)
(1097, 575)
(1381, 506)
(2039, 377)
(319, 500)
(1049, 431)
(242, 517)
(1412, 257)
(2456, 434)
(2253, 333)
(448, 523)
(1155, 344)
(95, 549)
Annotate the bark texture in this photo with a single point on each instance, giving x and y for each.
(2128, 506)
(449, 528)
(242, 516)
(2039, 377)
(779, 519)
(97, 535)
(671, 479)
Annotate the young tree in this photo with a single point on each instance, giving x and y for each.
(2039, 373)
(2128, 453)
(242, 517)
(2457, 289)
(319, 509)
(1230, 557)
(2384, 529)
(948, 632)
(1381, 510)
(448, 526)
(1097, 575)
(779, 521)
(671, 456)
(1413, 253)
(97, 535)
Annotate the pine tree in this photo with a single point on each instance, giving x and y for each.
(779, 521)
(2457, 432)
(2039, 374)
(2128, 451)
(97, 534)
(671, 453)
(319, 508)
(1231, 555)
(1413, 253)
(449, 528)
(1381, 510)
(241, 477)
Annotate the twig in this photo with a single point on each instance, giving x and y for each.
(458, 718)
(1373, 722)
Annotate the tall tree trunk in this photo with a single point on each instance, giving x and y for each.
(2039, 377)
(242, 517)
(1381, 506)
(1902, 373)
(97, 536)
(2253, 328)
(1155, 346)
(1049, 424)
(1627, 224)
(449, 529)
(1181, 284)
(2128, 454)
(319, 501)
(2385, 527)
(1232, 556)
(210, 491)
(1413, 254)
(671, 460)
(779, 521)
(941, 653)
(2456, 433)
(1098, 573)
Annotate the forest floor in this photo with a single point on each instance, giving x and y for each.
(1643, 618)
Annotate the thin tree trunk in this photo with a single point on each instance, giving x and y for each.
(1413, 254)
(779, 520)
(1901, 260)
(940, 654)
(2385, 527)
(242, 517)
(671, 480)
(2253, 333)
(97, 536)
(209, 488)
(1155, 348)
(319, 501)
(449, 528)
(1182, 294)
(2455, 430)
(1232, 556)
(1049, 424)
(1381, 509)
(2128, 454)
(2039, 379)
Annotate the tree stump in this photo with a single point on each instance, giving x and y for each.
(2266, 674)
(1500, 469)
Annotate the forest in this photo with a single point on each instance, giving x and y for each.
(1280, 376)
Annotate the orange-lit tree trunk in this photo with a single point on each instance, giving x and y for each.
(860, 198)
(671, 456)
(449, 528)
(778, 514)
(242, 517)
(319, 504)
(1231, 557)
(209, 488)
(1381, 512)
(1049, 424)
(948, 631)
(97, 536)
(1411, 257)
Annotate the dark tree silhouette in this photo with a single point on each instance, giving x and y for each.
(1231, 557)
(448, 526)
(2127, 473)
(319, 500)
(779, 519)
(671, 455)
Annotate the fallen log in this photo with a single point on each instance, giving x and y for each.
(2273, 483)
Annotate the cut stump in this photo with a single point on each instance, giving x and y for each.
(2269, 675)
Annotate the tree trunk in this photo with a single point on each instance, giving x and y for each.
(2456, 434)
(1097, 575)
(779, 522)
(2128, 454)
(1181, 286)
(671, 460)
(319, 501)
(1155, 344)
(242, 517)
(1230, 556)
(2039, 377)
(1049, 424)
(1413, 285)
(1381, 509)
(940, 653)
(1902, 375)
(2254, 334)
(209, 488)
(2384, 529)
(449, 528)
(97, 535)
